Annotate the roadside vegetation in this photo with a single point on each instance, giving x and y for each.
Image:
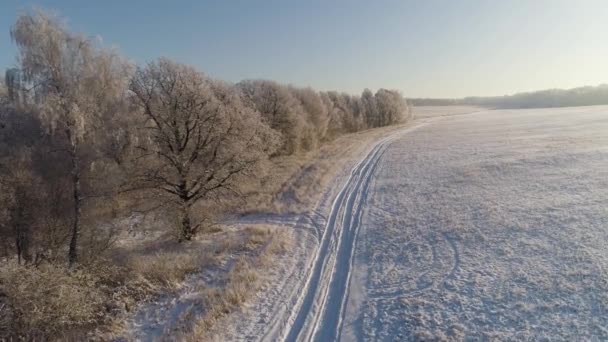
(88, 141)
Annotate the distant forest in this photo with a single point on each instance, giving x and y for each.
(582, 96)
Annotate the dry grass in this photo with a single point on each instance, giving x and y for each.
(257, 236)
(278, 244)
(168, 269)
(241, 282)
(51, 302)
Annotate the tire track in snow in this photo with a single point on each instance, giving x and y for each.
(438, 271)
(328, 323)
(314, 298)
(319, 311)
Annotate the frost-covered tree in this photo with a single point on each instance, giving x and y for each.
(73, 85)
(3, 93)
(356, 120)
(314, 107)
(197, 138)
(33, 188)
(392, 107)
(279, 109)
(339, 115)
(370, 108)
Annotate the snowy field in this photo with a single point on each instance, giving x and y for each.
(434, 111)
(473, 225)
(486, 226)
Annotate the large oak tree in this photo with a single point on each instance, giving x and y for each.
(197, 137)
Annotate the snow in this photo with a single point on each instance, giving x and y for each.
(434, 111)
(489, 225)
(480, 225)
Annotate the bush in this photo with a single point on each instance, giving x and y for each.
(54, 302)
(49, 300)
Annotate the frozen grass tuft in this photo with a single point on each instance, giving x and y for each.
(168, 269)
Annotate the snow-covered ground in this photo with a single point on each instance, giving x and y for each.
(488, 225)
(484, 226)
(434, 111)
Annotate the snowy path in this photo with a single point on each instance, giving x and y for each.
(322, 302)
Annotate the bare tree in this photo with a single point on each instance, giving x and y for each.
(196, 139)
(73, 85)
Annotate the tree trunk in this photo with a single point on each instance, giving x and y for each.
(187, 231)
(22, 233)
(73, 251)
(18, 245)
(22, 244)
(19, 234)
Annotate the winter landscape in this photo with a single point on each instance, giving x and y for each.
(144, 199)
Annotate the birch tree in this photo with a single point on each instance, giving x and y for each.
(73, 84)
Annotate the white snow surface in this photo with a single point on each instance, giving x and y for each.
(491, 225)
(487, 226)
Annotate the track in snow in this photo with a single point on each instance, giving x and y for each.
(318, 316)
(320, 307)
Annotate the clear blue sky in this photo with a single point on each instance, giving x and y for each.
(423, 48)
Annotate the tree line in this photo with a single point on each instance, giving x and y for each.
(582, 96)
(82, 128)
